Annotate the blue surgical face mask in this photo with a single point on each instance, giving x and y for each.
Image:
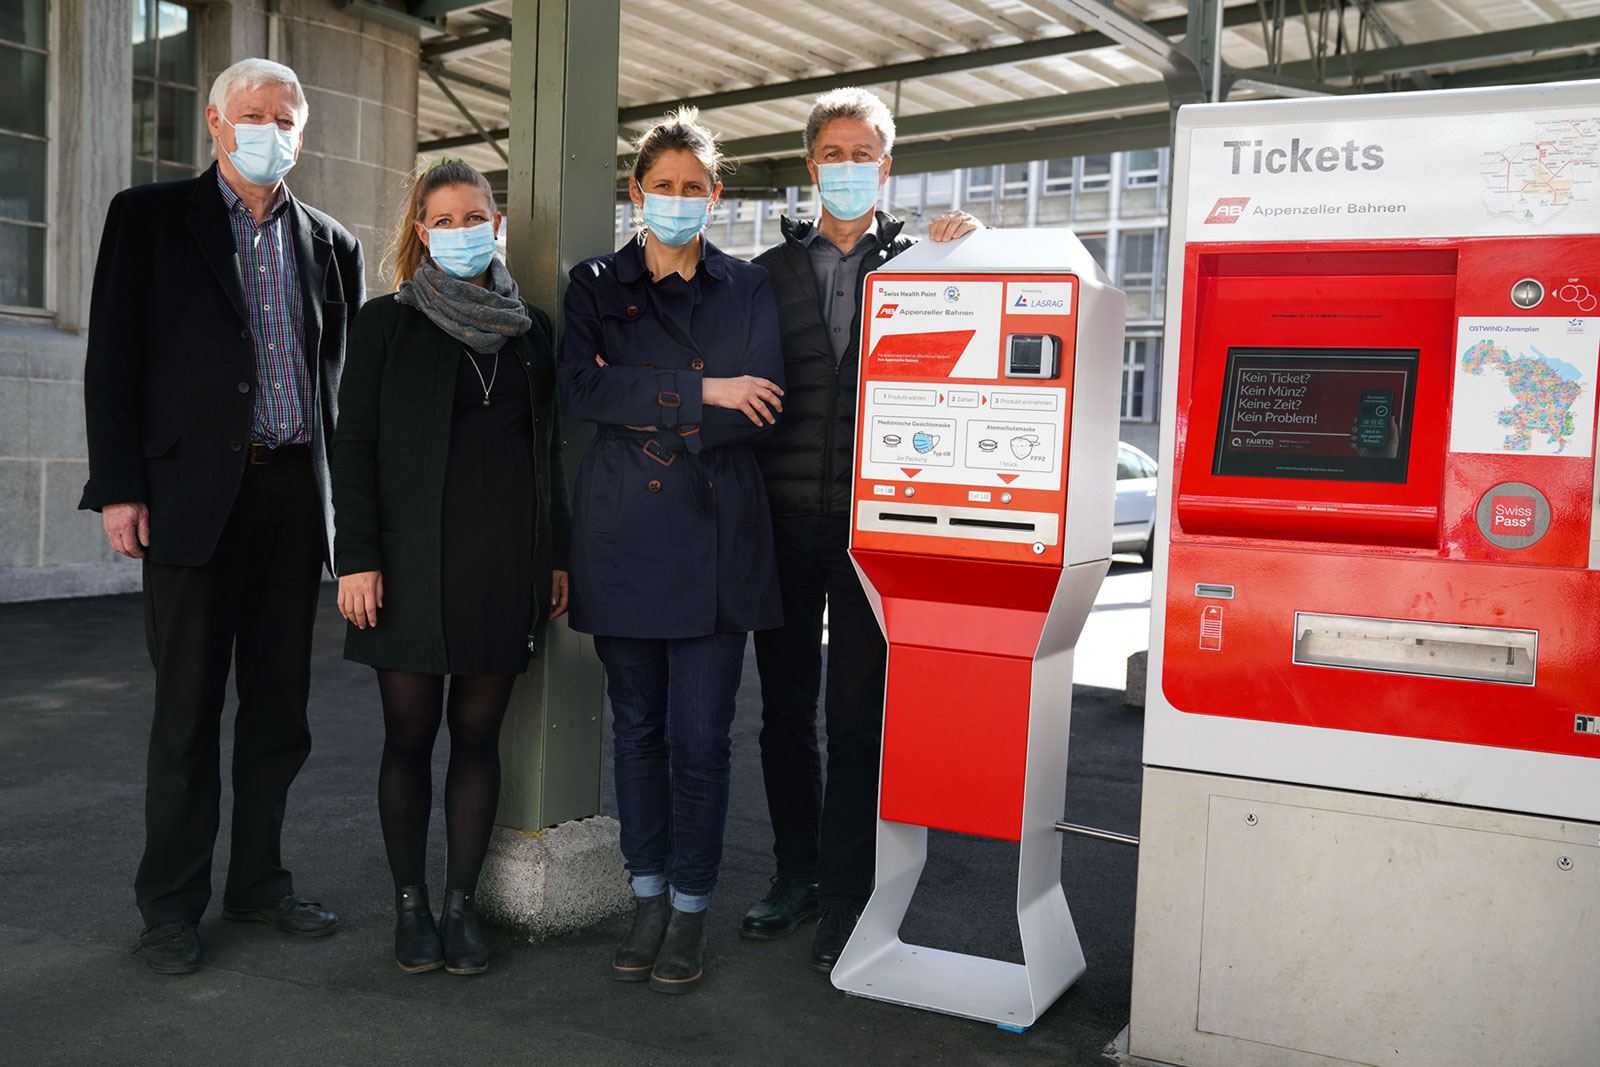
(462, 252)
(675, 220)
(849, 190)
(265, 153)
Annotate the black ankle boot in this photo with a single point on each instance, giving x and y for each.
(464, 950)
(416, 935)
(679, 964)
(637, 953)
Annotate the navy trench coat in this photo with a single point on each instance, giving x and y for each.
(672, 537)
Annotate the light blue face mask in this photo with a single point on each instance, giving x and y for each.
(264, 154)
(849, 190)
(675, 220)
(462, 252)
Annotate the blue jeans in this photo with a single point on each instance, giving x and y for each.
(672, 703)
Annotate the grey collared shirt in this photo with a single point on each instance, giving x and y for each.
(838, 274)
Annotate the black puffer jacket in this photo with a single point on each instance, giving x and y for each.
(807, 460)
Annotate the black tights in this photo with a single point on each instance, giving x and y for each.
(412, 706)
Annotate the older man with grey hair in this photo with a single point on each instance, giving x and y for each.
(217, 332)
(823, 842)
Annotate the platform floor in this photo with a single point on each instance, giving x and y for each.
(75, 691)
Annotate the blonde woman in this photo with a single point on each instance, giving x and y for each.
(452, 532)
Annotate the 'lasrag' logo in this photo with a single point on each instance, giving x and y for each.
(1228, 209)
(887, 311)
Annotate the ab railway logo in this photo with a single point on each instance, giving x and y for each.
(1228, 209)
(887, 311)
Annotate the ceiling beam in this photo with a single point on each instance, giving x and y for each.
(1372, 63)
(1004, 55)
(493, 35)
(436, 9)
(1428, 55)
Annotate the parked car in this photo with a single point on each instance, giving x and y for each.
(1134, 523)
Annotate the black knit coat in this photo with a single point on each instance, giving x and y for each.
(390, 452)
(806, 461)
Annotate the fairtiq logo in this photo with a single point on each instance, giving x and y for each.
(887, 311)
(1227, 209)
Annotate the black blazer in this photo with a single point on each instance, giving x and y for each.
(170, 379)
(390, 454)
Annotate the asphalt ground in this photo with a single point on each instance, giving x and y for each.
(75, 695)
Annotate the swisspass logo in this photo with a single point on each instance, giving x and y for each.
(887, 311)
(1228, 209)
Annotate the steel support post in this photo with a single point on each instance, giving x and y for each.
(559, 211)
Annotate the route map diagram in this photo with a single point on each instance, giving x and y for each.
(1526, 387)
(1535, 180)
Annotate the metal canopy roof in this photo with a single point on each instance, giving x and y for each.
(977, 81)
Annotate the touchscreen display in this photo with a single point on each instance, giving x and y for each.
(1332, 413)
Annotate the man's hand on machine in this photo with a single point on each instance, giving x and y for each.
(952, 224)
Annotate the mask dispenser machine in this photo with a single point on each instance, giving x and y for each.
(985, 462)
(1372, 766)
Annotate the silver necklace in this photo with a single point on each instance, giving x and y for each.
(493, 373)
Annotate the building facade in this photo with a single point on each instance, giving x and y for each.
(98, 95)
(1116, 204)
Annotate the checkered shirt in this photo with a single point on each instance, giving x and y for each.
(272, 293)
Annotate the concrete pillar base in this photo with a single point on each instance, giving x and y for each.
(1133, 696)
(563, 879)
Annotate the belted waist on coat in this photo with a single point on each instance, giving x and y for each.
(667, 447)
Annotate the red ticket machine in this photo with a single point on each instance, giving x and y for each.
(1372, 766)
(985, 463)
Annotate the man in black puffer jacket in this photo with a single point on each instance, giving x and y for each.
(824, 844)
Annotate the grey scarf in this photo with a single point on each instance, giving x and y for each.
(481, 317)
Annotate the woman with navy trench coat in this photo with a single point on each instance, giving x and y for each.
(672, 348)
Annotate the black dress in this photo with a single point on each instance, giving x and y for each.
(489, 519)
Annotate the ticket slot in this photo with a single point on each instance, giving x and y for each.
(1430, 649)
(971, 524)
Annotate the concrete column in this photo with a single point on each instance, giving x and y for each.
(553, 863)
(360, 80)
(94, 111)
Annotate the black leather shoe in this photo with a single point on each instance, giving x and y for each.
(290, 915)
(464, 950)
(681, 961)
(416, 936)
(171, 948)
(838, 922)
(637, 953)
(786, 906)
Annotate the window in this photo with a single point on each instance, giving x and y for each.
(941, 191)
(1096, 172)
(980, 181)
(166, 92)
(1136, 260)
(1016, 178)
(1141, 365)
(1058, 175)
(1143, 167)
(1096, 244)
(24, 160)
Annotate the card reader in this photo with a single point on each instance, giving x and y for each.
(1033, 355)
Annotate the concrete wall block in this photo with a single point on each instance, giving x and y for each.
(334, 125)
(58, 355)
(389, 70)
(388, 136)
(70, 535)
(32, 350)
(19, 518)
(55, 420)
(323, 56)
(13, 418)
